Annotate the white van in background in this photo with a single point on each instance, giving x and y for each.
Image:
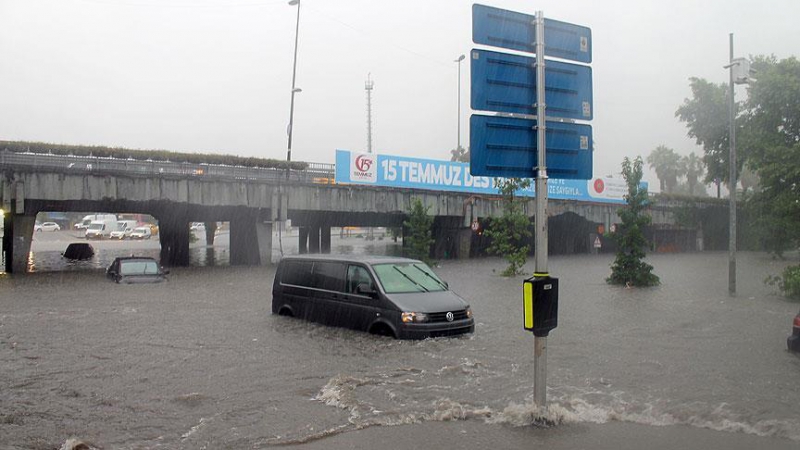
(84, 223)
(101, 229)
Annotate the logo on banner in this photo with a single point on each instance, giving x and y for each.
(363, 168)
(599, 186)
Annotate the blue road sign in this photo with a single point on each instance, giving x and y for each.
(516, 31)
(506, 147)
(507, 83)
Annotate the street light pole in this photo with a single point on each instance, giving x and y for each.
(458, 61)
(732, 175)
(294, 88)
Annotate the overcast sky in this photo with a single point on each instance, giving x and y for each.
(215, 75)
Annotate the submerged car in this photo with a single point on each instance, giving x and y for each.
(136, 269)
(141, 233)
(78, 251)
(47, 226)
(793, 342)
(398, 297)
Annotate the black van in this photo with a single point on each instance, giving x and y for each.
(391, 296)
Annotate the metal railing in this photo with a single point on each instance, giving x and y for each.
(314, 173)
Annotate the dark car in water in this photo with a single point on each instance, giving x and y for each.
(793, 342)
(78, 251)
(398, 297)
(136, 269)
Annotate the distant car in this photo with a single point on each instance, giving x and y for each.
(47, 226)
(136, 269)
(198, 226)
(122, 233)
(141, 233)
(793, 342)
(78, 251)
(118, 234)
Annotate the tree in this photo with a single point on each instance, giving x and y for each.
(509, 231)
(771, 136)
(692, 167)
(459, 154)
(706, 117)
(748, 178)
(768, 144)
(628, 268)
(666, 163)
(419, 225)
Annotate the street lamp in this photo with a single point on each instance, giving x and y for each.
(739, 69)
(458, 61)
(294, 77)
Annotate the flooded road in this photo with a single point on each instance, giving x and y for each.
(47, 247)
(199, 362)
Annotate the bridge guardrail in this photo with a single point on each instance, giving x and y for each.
(92, 164)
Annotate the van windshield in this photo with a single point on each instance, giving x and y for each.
(96, 226)
(397, 278)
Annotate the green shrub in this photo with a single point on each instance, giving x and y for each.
(788, 282)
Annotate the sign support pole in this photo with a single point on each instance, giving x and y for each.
(732, 181)
(540, 342)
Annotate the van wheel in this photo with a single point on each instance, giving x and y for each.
(381, 329)
(285, 312)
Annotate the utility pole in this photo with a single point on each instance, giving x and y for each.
(368, 86)
(732, 185)
(295, 89)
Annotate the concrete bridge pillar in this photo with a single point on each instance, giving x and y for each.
(325, 239)
(464, 243)
(313, 239)
(264, 233)
(211, 228)
(245, 249)
(17, 237)
(446, 238)
(7, 240)
(173, 232)
(302, 246)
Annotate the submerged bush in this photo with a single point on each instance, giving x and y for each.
(788, 282)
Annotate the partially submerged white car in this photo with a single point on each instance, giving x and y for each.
(141, 233)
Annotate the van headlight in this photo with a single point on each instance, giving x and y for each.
(469, 313)
(415, 317)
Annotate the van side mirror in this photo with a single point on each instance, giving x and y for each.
(365, 289)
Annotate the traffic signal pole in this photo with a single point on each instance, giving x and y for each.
(540, 342)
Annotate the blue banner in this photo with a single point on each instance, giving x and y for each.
(436, 175)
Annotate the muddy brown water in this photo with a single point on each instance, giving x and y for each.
(200, 362)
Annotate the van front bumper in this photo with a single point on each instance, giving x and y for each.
(436, 329)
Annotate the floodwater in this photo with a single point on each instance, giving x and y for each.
(47, 247)
(200, 362)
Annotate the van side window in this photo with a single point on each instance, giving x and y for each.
(328, 276)
(297, 273)
(357, 275)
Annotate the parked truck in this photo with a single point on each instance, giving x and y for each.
(84, 223)
(101, 229)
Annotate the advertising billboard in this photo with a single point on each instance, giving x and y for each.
(438, 175)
